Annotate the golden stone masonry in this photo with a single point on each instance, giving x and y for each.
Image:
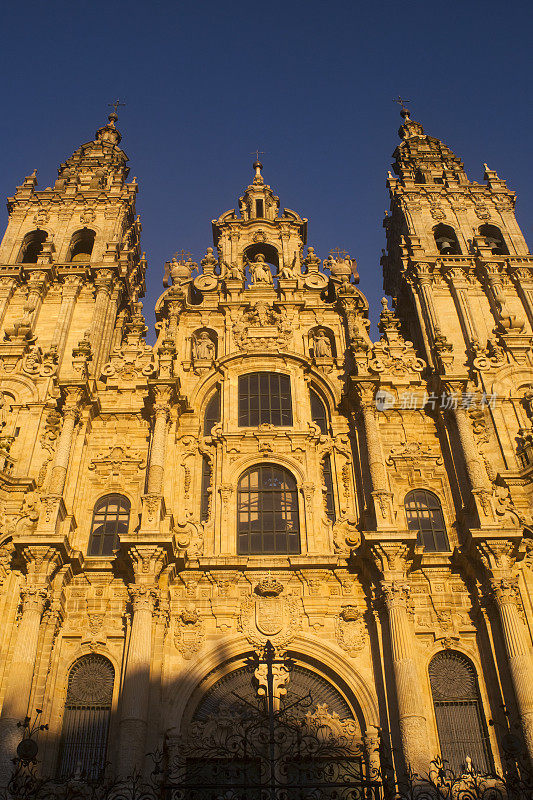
(266, 473)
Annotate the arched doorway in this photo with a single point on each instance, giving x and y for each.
(270, 728)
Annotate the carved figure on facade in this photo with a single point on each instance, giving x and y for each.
(260, 272)
(262, 328)
(203, 347)
(321, 344)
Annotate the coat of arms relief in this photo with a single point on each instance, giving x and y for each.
(269, 617)
(263, 328)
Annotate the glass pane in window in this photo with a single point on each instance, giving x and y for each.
(264, 397)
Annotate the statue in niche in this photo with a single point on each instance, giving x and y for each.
(321, 344)
(203, 347)
(260, 271)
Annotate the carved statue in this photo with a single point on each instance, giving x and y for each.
(233, 272)
(289, 272)
(322, 344)
(260, 271)
(203, 347)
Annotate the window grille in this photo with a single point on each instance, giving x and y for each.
(424, 515)
(86, 719)
(212, 413)
(328, 483)
(264, 397)
(318, 411)
(110, 519)
(460, 723)
(267, 511)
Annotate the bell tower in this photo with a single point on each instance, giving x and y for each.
(70, 260)
(457, 262)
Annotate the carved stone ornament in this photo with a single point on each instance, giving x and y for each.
(409, 453)
(262, 328)
(437, 212)
(117, 460)
(271, 617)
(350, 630)
(189, 632)
(481, 211)
(87, 216)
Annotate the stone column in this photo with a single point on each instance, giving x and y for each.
(477, 472)
(376, 462)
(518, 649)
(70, 292)
(59, 472)
(148, 561)
(41, 562)
(7, 289)
(103, 284)
(459, 288)
(413, 724)
(524, 287)
(392, 559)
(37, 285)
(498, 557)
(159, 438)
(426, 294)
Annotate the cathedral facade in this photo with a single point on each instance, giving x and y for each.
(266, 505)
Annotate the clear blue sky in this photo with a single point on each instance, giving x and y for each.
(310, 83)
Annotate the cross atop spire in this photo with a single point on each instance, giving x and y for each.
(114, 106)
(400, 100)
(258, 178)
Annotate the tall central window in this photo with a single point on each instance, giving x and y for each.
(267, 511)
(264, 397)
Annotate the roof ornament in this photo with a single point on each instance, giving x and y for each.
(109, 133)
(258, 178)
(409, 128)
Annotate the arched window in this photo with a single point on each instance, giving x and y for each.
(318, 411)
(86, 720)
(205, 499)
(32, 245)
(267, 511)
(446, 240)
(419, 176)
(81, 245)
(494, 239)
(328, 485)
(212, 413)
(111, 518)
(320, 756)
(264, 397)
(458, 712)
(424, 515)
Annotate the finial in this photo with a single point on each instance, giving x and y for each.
(258, 178)
(405, 113)
(114, 116)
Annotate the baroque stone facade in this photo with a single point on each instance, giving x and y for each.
(266, 472)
